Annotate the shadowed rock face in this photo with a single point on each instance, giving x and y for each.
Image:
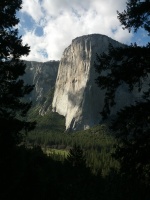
(43, 76)
(76, 95)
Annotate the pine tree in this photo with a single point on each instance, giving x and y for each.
(130, 65)
(76, 157)
(13, 108)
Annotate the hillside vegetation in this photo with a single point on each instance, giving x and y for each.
(97, 143)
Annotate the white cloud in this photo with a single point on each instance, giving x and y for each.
(64, 20)
(37, 45)
(33, 8)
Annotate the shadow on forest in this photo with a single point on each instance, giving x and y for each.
(30, 174)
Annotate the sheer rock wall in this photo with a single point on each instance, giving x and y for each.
(76, 96)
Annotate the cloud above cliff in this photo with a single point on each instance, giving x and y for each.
(48, 26)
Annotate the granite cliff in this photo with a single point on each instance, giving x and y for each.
(69, 86)
(76, 95)
(43, 76)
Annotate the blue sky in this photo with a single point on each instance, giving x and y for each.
(48, 26)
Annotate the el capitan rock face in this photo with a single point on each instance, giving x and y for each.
(76, 96)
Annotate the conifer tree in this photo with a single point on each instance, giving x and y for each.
(131, 66)
(13, 108)
(76, 157)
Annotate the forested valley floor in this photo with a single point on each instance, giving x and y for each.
(76, 165)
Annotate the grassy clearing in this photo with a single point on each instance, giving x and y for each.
(50, 152)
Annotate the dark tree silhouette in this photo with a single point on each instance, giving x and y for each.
(13, 109)
(136, 15)
(130, 65)
(76, 157)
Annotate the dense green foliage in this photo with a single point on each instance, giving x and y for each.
(130, 66)
(51, 122)
(97, 142)
(72, 179)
